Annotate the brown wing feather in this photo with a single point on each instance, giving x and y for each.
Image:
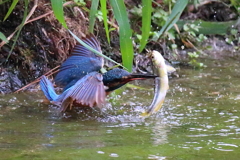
(88, 91)
(66, 103)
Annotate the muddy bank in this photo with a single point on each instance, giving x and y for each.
(43, 44)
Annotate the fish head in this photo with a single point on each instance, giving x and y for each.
(159, 61)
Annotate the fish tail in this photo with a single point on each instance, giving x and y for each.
(159, 106)
(152, 109)
(48, 89)
(146, 114)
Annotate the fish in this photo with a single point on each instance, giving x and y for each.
(161, 83)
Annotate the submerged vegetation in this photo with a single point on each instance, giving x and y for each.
(33, 42)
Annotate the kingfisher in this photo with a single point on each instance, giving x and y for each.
(83, 83)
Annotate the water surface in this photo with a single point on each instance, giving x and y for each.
(200, 120)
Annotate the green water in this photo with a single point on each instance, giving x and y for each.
(200, 120)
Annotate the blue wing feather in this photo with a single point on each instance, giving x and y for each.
(48, 89)
(81, 62)
(90, 40)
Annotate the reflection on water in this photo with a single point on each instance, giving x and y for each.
(200, 120)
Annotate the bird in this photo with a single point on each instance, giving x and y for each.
(83, 83)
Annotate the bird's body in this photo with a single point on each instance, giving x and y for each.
(83, 84)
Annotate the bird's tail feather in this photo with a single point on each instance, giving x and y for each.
(48, 89)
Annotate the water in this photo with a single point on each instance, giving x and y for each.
(200, 120)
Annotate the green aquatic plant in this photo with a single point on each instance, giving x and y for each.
(92, 15)
(146, 23)
(14, 3)
(80, 2)
(3, 37)
(193, 60)
(233, 36)
(26, 2)
(125, 32)
(119, 10)
(104, 12)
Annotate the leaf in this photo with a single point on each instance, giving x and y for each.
(93, 50)
(209, 28)
(236, 4)
(174, 16)
(57, 6)
(104, 12)
(14, 3)
(146, 23)
(92, 15)
(3, 37)
(3, 1)
(125, 32)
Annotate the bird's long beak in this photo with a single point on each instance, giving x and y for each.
(141, 76)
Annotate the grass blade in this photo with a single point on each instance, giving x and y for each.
(146, 23)
(57, 7)
(20, 29)
(14, 3)
(126, 45)
(104, 12)
(92, 15)
(93, 50)
(3, 37)
(2, 1)
(174, 16)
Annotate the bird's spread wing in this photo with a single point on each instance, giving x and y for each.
(80, 50)
(88, 91)
(81, 62)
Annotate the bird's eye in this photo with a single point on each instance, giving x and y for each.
(152, 57)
